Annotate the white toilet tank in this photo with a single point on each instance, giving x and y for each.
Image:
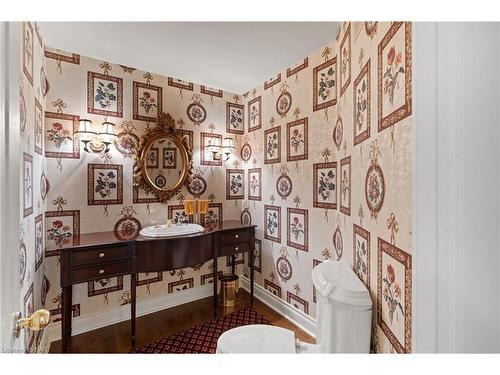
(344, 309)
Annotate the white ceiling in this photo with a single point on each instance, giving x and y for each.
(233, 56)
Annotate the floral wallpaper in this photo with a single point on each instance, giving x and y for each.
(33, 90)
(94, 192)
(327, 154)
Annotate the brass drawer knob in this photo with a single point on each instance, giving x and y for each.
(236, 248)
(101, 272)
(236, 236)
(101, 255)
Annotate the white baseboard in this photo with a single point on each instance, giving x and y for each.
(297, 317)
(90, 322)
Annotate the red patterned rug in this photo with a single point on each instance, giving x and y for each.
(203, 338)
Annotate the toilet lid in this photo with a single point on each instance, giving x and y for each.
(257, 338)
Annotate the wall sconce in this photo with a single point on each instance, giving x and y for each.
(96, 142)
(217, 149)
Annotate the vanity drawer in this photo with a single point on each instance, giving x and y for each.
(99, 255)
(234, 249)
(100, 271)
(235, 236)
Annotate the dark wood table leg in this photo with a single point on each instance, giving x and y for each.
(133, 303)
(66, 315)
(233, 264)
(252, 262)
(215, 287)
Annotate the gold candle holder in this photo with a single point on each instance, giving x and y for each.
(203, 206)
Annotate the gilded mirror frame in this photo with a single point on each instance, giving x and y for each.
(165, 129)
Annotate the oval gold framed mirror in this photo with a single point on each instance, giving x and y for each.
(163, 162)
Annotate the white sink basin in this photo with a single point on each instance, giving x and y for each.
(171, 231)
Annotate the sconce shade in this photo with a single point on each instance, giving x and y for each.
(228, 143)
(85, 131)
(214, 144)
(108, 133)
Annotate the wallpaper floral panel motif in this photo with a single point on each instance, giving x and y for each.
(362, 104)
(297, 302)
(257, 256)
(394, 75)
(28, 51)
(61, 228)
(254, 114)
(272, 220)
(235, 184)
(235, 114)
(147, 101)
(325, 185)
(272, 288)
(213, 217)
(60, 141)
(345, 60)
(39, 241)
(361, 254)
(105, 184)
(38, 128)
(297, 140)
(325, 85)
(345, 185)
(255, 184)
(28, 184)
(297, 228)
(104, 94)
(177, 214)
(394, 295)
(272, 146)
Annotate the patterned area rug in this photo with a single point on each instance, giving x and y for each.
(203, 338)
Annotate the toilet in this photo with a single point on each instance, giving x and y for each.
(343, 316)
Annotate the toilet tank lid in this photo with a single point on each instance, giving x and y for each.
(336, 281)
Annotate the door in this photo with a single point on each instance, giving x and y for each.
(10, 300)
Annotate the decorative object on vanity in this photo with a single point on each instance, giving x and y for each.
(96, 141)
(196, 208)
(217, 149)
(166, 178)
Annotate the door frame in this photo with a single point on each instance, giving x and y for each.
(9, 183)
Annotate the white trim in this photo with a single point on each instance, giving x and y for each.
(10, 181)
(90, 322)
(425, 187)
(297, 317)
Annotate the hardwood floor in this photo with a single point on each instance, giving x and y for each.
(152, 327)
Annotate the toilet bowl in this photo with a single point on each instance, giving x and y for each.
(343, 319)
